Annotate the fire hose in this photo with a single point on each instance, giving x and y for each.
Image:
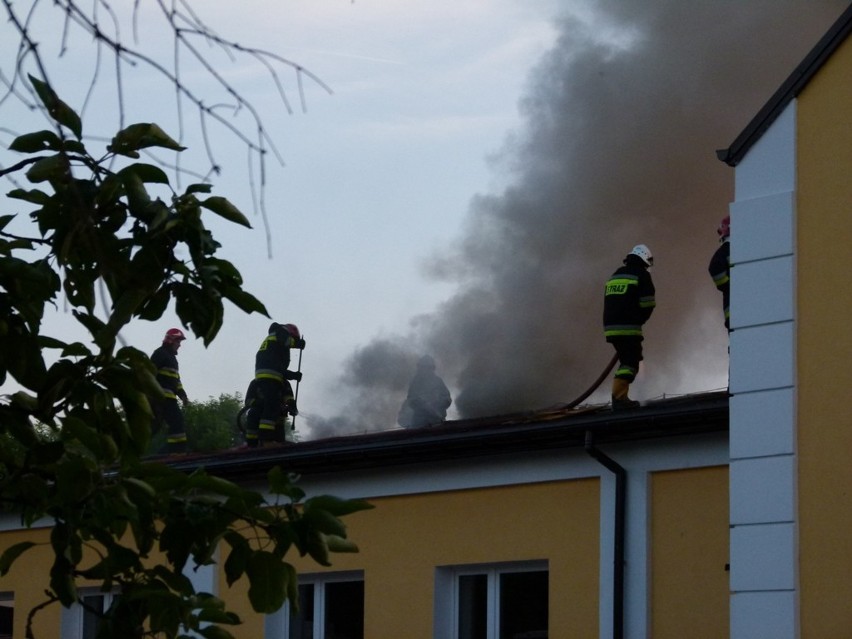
(567, 406)
(595, 385)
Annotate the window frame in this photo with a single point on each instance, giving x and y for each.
(447, 593)
(277, 625)
(73, 618)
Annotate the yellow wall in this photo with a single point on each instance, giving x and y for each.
(689, 550)
(824, 349)
(28, 580)
(402, 541)
(405, 538)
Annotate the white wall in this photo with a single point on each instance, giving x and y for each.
(763, 388)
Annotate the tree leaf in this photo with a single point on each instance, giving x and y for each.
(58, 110)
(212, 610)
(36, 142)
(75, 349)
(148, 173)
(12, 553)
(281, 483)
(238, 559)
(214, 632)
(246, 302)
(337, 506)
(62, 581)
(5, 219)
(74, 428)
(317, 547)
(198, 188)
(222, 207)
(268, 577)
(215, 485)
(154, 307)
(340, 544)
(143, 135)
(324, 522)
(54, 167)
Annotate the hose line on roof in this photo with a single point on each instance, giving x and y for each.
(595, 385)
(241, 426)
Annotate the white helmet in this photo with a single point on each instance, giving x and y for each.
(643, 253)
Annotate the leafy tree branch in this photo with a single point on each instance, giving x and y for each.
(75, 436)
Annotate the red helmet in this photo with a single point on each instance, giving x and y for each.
(293, 330)
(173, 335)
(724, 229)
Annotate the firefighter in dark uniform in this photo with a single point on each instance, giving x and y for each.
(273, 394)
(628, 303)
(720, 267)
(251, 410)
(166, 408)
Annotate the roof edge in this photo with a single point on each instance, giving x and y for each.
(691, 417)
(790, 89)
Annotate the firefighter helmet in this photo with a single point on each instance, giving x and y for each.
(724, 229)
(174, 335)
(643, 253)
(293, 330)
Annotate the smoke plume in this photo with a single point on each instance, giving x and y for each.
(617, 148)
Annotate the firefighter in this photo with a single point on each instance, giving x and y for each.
(249, 419)
(251, 409)
(428, 397)
(628, 303)
(274, 395)
(720, 267)
(166, 408)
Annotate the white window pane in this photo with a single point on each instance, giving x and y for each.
(492, 601)
(329, 608)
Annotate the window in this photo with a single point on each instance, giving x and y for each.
(7, 614)
(331, 606)
(496, 601)
(81, 621)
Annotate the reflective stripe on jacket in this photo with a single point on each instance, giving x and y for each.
(168, 373)
(720, 271)
(629, 299)
(273, 357)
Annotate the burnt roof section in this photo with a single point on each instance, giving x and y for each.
(791, 88)
(532, 431)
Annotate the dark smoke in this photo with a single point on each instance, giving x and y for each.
(618, 148)
(374, 381)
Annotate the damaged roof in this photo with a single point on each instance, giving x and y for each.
(791, 88)
(556, 427)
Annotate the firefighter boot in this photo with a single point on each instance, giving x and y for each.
(620, 401)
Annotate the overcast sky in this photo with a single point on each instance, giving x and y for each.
(478, 170)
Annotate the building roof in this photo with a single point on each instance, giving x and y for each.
(464, 439)
(791, 88)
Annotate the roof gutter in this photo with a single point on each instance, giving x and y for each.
(620, 530)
